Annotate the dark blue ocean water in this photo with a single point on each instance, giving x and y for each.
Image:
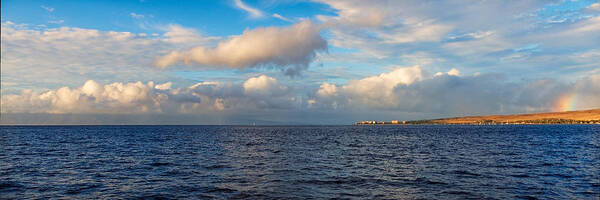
(356, 162)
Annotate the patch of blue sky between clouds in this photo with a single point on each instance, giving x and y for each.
(564, 11)
(335, 49)
(528, 48)
(216, 18)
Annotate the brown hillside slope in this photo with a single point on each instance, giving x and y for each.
(573, 116)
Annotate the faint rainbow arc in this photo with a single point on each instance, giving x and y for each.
(566, 102)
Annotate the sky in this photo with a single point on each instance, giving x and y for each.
(294, 61)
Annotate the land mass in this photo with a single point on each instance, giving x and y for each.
(568, 117)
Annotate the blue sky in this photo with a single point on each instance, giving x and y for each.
(206, 16)
(308, 62)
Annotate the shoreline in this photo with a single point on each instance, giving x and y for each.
(567, 117)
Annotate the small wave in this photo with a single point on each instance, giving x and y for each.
(518, 166)
(527, 197)
(253, 144)
(172, 172)
(465, 173)
(155, 197)
(335, 181)
(283, 171)
(217, 167)
(357, 145)
(457, 192)
(9, 186)
(559, 175)
(429, 182)
(220, 190)
(520, 175)
(351, 194)
(158, 164)
(248, 195)
(81, 188)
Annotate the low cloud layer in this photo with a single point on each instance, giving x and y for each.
(262, 92)
(399, 94)
(411, 89)
(289, 48)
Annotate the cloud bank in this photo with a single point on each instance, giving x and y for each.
(399, 94)
(411, 89)
(289, 48)
(262, 92)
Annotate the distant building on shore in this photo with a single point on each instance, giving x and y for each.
(366, 122)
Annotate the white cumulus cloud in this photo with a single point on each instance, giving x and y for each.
(261, 92)
(89, 98)
(410, 89)
(289, 48)
(376, 91)
(263, 85)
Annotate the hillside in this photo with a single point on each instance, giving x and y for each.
(569, 117)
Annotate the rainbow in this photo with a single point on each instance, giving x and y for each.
(566, 102)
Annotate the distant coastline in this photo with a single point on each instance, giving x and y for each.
(568, 117)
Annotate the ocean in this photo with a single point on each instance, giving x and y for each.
(300, 162)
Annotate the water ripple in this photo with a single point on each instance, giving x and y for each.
(300, 162)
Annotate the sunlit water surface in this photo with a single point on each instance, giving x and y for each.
(393, 162)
